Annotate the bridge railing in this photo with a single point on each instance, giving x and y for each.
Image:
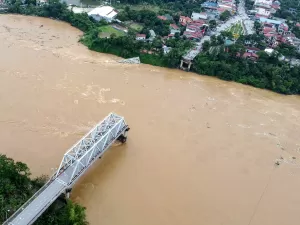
(97, 150)
(46, 206)
(16, 213)
(83, 145)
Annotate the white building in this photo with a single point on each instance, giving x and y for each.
(263, 12)
(166, 49)
(107, 13)
(199, 16)
(140, 37)
(271, 51)
(263, 3)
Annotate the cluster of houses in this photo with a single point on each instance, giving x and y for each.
(195, 27)
(215, 8)
(265, 8)
(142, 37)
(276, 31)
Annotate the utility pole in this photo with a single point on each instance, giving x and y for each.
(6, 213)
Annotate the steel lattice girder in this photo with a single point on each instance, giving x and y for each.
(92, 145)
(75, 162)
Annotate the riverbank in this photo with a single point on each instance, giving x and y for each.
(266, 73)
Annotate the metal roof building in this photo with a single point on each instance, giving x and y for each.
(107, 13)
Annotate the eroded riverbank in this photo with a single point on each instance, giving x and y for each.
(200, 151)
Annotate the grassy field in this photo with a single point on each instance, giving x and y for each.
(136, 26)
(236, 29)
(106, 31)
(138, 7)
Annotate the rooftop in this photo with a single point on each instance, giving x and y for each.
(162, 17)
(174, 26)
(210, 5)
(265, 20)
(253, 48)
(104, 11)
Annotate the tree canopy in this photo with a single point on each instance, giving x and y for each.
(225, 15)
(16, 187)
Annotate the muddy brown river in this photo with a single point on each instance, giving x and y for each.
(200, 150)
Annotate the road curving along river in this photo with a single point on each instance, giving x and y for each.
(200, 150)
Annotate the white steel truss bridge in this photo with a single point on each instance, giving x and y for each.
(74, 164)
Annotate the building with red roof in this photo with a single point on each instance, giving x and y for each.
(184, 20)
(252, 49)
(193, 35)
(250, 55)
(162, 18)
(174, 26)
(140, 37)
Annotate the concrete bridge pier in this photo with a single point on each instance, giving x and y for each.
(185, 62)
(67, 192)
(123, 137)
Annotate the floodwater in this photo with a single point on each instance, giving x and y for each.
(200, 150)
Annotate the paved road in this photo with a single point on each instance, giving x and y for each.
(241, 16)
(44, 199)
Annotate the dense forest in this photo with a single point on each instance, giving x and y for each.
(16, 187)
(287, 10)
(185, 7)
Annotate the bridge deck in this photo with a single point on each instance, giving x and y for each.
(39, 204)
(44, 199)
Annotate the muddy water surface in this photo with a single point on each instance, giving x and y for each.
(200, 150)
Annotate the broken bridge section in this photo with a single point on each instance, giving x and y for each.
(74, 164)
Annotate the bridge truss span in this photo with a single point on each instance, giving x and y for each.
(74, 164)
(78, 158)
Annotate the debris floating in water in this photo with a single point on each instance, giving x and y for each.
(134, 60)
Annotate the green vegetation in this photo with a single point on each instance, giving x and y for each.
(236, 29)
(285, 11)
(225, 15)
(150, 53)
(147, 18)
(268, 72)
(212, 24)
(249, 4)
(108, 30)
(136, 26)
(145, 6)
(183, 6)
(16, 187)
